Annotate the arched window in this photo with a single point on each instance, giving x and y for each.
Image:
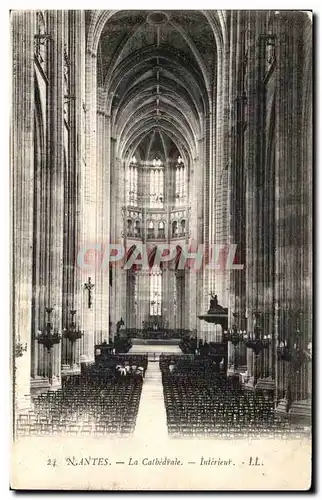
(151, 229)
(161, 232)
(155, 291)
(174, 228)
(132, 183)
(137, 228)
(129, 227)
(180, 183)
(183, 227)
(157, 184)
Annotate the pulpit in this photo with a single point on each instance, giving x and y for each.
(217, 315)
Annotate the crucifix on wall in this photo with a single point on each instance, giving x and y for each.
(89, 286)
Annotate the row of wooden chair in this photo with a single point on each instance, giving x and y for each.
(199, 402)
(84, 406)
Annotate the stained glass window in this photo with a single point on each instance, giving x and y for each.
(180, 183)
(157, 184)
(132, 183)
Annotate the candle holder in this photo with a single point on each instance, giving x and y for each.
(72, 333)
(293, 353)
(234, 335)
(257, 344)
(48, 338)
(255, 339)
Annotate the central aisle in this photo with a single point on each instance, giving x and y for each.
(151, 420)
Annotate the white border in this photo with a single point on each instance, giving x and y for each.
(4, 176)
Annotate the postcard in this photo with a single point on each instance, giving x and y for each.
(161, 250)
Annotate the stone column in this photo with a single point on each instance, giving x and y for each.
(197, 214)
(143, 296)
(171, 306)
(56, 168)
(22, 165)
(220, 166)
(79, 135)
(231, 356)
(119, 286)
(40, 223)
(113, 238)
(195, 179)
(165, 295)
(103, 225)
(236, 163)
(208, 230)
(73, 148)
(251, 139)
(89, 207)
(293, 204)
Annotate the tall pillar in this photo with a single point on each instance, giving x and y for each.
(22, 161)
(172, 309)
(78, 144)
(251, 230)
(196, 278)
(103, 225)
(236, 165)
(293, 204)
(165, 295)
(56, 180)
(220, 144)
(89, 207)
(41, 207)
(118, 307)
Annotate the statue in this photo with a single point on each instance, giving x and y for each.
(216, 314)
(119, 324)
(214, 306)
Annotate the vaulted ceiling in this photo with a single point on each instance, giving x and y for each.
(158, 71)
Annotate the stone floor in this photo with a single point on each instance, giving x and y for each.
(151, 419)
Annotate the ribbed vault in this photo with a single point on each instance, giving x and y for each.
(156, 74)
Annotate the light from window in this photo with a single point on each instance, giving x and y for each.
(132, 183)
(180, 184)
(151, 229)
(155, 291)
(157, 184)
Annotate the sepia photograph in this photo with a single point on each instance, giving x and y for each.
(161, 186)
